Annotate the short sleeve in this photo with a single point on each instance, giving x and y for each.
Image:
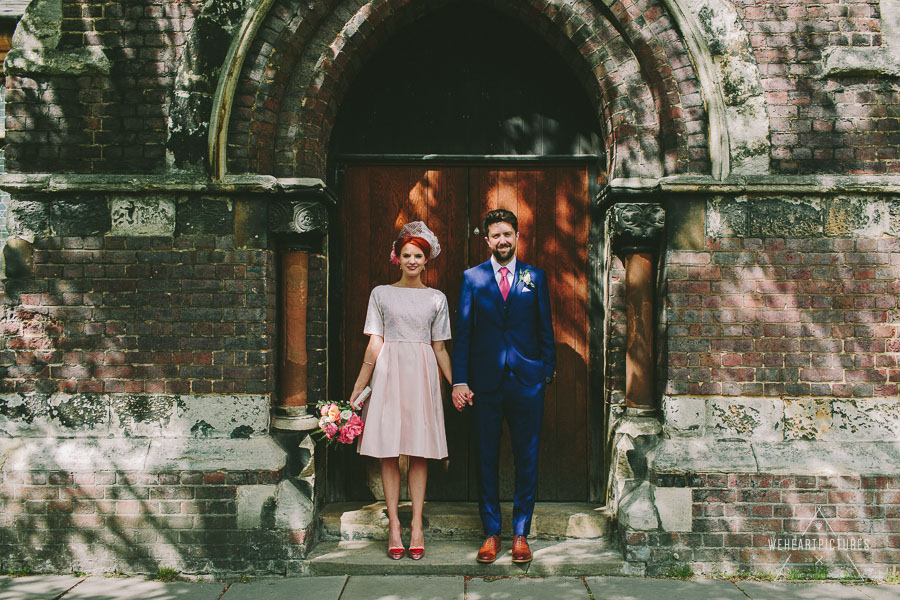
(440, 326)
(374, 317)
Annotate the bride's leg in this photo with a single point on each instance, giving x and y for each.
(390, 481)
(418, 477)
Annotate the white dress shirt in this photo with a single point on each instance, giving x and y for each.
(511, 265)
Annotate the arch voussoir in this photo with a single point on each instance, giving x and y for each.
(628, 57)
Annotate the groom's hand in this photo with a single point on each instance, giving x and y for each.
(462, 396)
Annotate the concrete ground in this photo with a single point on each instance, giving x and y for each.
(398, 587)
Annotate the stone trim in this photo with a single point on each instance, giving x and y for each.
(814, 458)
(140, 183)
(782, 419)
(223, 101)
(737, 184)
(136, 416)
(141, 455)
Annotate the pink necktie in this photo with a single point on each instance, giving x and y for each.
(504, 282)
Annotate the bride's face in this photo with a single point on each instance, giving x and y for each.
(412, 260)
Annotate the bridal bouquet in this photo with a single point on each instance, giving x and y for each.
(338, 422)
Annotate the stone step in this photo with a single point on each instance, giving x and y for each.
(574, 558)
(460, 521)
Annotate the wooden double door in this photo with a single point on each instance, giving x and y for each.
(552, 206)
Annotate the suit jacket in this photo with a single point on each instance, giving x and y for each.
(492, 334)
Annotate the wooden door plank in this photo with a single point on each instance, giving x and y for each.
(545, 192)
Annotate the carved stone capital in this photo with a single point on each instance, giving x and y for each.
(292, 216)
(636, 226)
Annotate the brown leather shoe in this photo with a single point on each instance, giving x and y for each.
(489, 549)
(521, 553)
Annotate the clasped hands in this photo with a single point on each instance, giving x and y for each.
(462, 396)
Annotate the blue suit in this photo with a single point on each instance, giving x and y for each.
(505, 352)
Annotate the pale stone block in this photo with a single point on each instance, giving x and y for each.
(702, 456)
(180, 454)
(251, 503)
(807, 418)
(76, 454)
(294, 510)
(827, 458)
(637, 511)
(745, 418)
(865, 419)
(684, 416)
(142, 216)
(674, 506)
(222, 415)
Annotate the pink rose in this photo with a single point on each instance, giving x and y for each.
(334, 413)
(330, 430)
(351, 429)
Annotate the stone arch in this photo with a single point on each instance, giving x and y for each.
(633, 63)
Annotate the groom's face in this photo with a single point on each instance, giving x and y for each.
(501, 239)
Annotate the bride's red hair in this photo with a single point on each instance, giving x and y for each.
(423, 245)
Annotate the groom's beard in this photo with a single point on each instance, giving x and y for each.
(504, 254)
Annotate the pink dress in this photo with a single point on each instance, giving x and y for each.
(404, 414)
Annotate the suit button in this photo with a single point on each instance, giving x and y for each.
(548, 380)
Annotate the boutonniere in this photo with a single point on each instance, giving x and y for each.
(525, 278)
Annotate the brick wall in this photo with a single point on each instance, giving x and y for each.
(186, 314)
(114, 123)
(785, 316)
(754, 523)
(818, 124)
(97, 521)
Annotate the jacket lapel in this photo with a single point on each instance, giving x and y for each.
(494, 289)
(517, 285)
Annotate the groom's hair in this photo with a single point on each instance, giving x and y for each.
(500, 215)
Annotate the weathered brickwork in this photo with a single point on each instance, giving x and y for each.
(115, 123)
(754, 523)
(137, 521)
(186, 314)
(817, 124)
(784, 316)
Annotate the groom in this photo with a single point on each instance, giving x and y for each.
(503, 358)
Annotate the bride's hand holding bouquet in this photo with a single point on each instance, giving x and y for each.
(340, 421)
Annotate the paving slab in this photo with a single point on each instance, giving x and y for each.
(35, 588)
(882, 591)
(633, 588)
(527, 588)
(300, 588)
(136, 588)
(562, 558)
(404, 588)
(784, 590)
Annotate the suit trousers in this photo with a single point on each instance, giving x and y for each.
(522, 405)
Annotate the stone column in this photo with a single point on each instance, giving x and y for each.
(635, 233)
(298, 226)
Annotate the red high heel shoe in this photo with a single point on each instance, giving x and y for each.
(416, 552)
(396, 552)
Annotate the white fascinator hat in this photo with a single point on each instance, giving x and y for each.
(416, 229)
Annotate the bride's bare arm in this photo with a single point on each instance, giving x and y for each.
(443, 359)
(365, 371)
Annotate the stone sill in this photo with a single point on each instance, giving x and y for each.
(809, 458)
(141, 455)
(757, 184)
(180, 183)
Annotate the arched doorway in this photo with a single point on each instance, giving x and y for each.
(452, 117)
